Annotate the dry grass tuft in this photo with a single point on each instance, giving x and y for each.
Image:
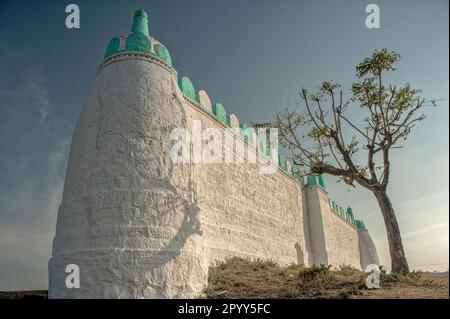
(242, 278)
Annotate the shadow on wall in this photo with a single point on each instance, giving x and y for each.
(191, 224)
(184, 202)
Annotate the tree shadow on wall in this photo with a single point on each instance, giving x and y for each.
(182, 202)
(190, 224)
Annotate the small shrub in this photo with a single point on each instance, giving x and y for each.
(264, 264)
(347, 270)
(311, 273)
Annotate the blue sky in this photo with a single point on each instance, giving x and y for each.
(252, 56)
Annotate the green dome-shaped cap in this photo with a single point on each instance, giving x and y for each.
(140, 22)
(360, 224)
(187, 88)
(316, 180)
(113, 47)
(138, 42)
(220, 112)
(350, 211)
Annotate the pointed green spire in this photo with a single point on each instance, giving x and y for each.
(140, 22)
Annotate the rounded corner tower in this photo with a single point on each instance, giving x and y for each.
(128, 217)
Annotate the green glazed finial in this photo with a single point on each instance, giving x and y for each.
(316, 180)
(350, 211)
(140, 22)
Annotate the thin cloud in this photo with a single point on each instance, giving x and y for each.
(32, 172)
(423, 230)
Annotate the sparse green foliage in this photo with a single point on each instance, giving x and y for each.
(332, 133)
(325, 139)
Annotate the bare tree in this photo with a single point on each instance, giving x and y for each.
(327, 135)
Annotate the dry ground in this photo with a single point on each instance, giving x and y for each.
(239, 278)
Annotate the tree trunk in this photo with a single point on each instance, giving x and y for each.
(398, 260)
